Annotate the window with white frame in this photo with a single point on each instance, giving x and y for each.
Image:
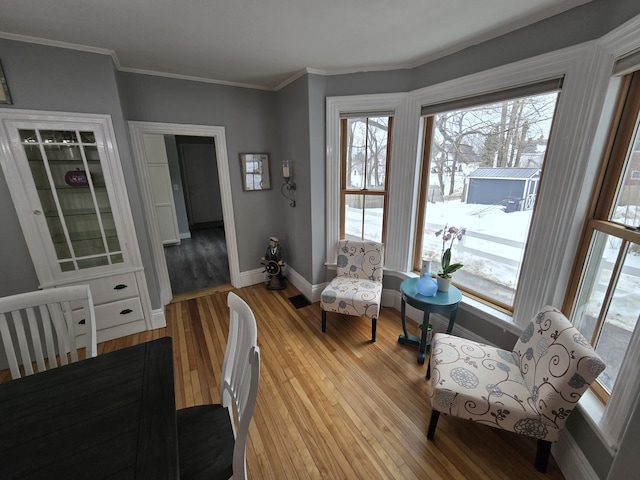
(482, 163)
(363, 106)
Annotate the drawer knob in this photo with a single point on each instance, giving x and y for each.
(120, 286)
(125, 311)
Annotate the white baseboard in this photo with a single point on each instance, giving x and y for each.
(572, 462)
(252, 277)
(158, 320)
(311, 292)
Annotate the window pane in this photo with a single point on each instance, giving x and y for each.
(484, 171)
(72, 191)
(366, 153)
(364, 162)
(620, 316)
(363, 217)
(627, 204)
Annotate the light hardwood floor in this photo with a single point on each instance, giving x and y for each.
(333, 405)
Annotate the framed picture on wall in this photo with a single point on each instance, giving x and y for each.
(255, 171)
(5, 97)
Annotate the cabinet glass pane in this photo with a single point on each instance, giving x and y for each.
(68, 175)
(87, 137)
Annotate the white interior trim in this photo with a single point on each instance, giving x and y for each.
(611, 421)
(138, 129)
(399, 145)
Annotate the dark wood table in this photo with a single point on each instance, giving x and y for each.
(112, 416)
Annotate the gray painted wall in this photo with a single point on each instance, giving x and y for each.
(317, 168)
(293, 137)
(301, 124)
(581, 24)
(249, 119)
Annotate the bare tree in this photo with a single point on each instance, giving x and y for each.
(494, 135)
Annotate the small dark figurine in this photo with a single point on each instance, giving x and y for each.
(273, 262)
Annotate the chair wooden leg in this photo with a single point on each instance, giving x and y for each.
(374, 321)
(324, 320)
(542, 455)
(433, 422)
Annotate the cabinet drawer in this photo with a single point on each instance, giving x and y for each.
(110, 289)
(118, 313)
(109, 315)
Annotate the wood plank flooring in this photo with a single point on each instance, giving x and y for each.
(334, 405)
(198, 262)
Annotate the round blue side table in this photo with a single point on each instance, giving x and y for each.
(441, 302)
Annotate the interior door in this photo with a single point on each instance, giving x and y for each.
(202, 183)
(161, 188)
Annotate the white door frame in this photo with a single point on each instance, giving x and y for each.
(137, 130)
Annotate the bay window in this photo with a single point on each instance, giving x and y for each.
(482, 162)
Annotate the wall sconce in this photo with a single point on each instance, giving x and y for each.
(287, 185)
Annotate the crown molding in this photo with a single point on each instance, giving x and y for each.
(194, 79)
(55, 43)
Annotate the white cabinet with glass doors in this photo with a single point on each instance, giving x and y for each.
(67, 184)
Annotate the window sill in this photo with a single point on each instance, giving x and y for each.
(490, 315)
(592, 410)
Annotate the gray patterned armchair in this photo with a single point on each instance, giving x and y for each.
(531, 390)
(357, 288)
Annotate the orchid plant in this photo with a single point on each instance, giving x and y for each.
(449, 234)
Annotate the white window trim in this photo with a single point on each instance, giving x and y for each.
(612, 421)
(401, 148)
(554, 229)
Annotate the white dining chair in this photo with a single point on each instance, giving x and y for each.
(212, 439)
(41, 328)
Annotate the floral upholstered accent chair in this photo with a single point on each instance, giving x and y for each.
(357, 288)
(531, 390)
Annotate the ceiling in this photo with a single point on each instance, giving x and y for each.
(267, 43)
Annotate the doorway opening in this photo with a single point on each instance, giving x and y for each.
(138, 131)
(200, 260)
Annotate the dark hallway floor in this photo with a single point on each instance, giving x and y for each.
(198, 262)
